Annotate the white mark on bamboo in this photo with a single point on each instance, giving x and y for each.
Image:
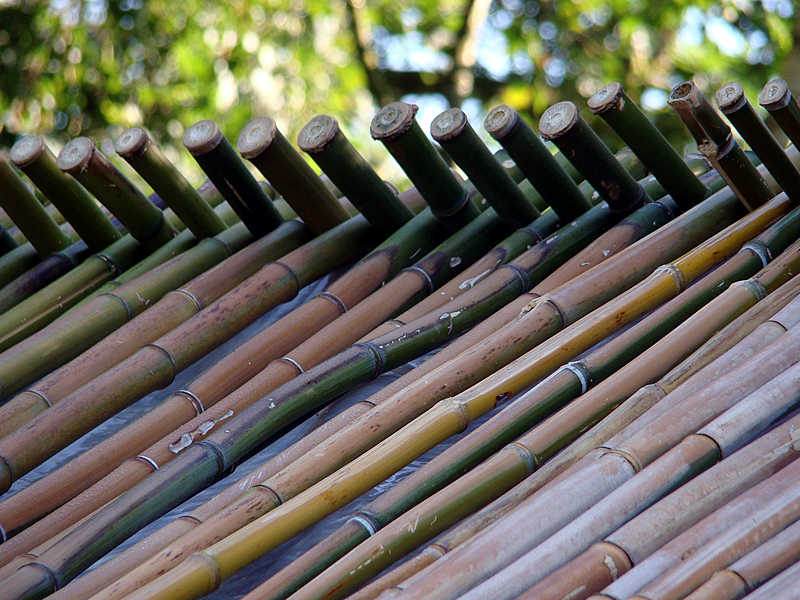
(611, 566)
(455, 261)
(576, 593)
(472, 281)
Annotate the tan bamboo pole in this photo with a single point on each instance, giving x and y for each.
(630, 409)
(509, 466)
(589, 489)
(446, 418)
(754, 568)
(720, 440)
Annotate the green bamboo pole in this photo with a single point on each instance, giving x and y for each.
(563, 125)
(28, 214)
(452, 130)
(141, 153)
(629, 122)
(212, 151)
(16, 261)
(562, 387)
(7, 243)
(265, 146)
(715, 141)
(540, 167)
(31, 155)
(81, 159)
(590, 485)
(776, 97)
(734, 105)
(322, 138)
(361, 364)
(394, 126)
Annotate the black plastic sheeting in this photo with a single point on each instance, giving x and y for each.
(257, 572)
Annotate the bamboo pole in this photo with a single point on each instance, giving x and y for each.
(693, 457)
(777, 99)
(264, 145)
(16, 261)
(141, 153)
(591, 488)
(31, 155)
(540, 167)
(716, 142)
(734, 105)
(283, 520)
(81, 159)
(502, 471)
(629, 122)
(28, 214)
(212, 151)
(619, 418)
(7, 243)
(394, 126)
(453, 131)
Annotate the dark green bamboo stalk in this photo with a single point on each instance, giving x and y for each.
(563, 125)
(452, 130)
(146, 223)
(212, 151)
(34, 158)
(264, 145)
(394, 125)
(715, 141)
(539, 165)
(733, 103)
(16, 261)
(7, 243)
(776, 97)
(322, 138)
(629, 122)
(141, 153)
(28, 214)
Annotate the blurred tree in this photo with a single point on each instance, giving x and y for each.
(93, 67)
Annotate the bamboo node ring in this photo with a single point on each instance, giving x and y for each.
(628, 456)
(148, 460)
(529, 457)
(196, 403)
(294, 363)
(380, 360)
(365, 523)
(521, 274)
(54, 580)
(189, 517)
(674, 272)
(121, 300)
(195, 300)
(169, 356)
(754, 286)
(291, 272)
(426, 278)
(113, 266)
(760, 249)
(581, 372)
(42, 396)
(326, 295)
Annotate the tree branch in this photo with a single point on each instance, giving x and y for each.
(365, 51)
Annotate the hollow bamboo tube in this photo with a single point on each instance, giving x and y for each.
(453, 131)
(31, 155)
(212, 151)
(262, 143)
(503, 428)
(754, 568)
(629, 122)
(540, 443)
(734, 105)
(540, 167)
(28, 214)
(81, 159)
(715, 141)
(322, 138)
(620, 417)
(737, 427)
(347, 480)
(394, 125)
(562, 124)
(776, 98)
(146, 158)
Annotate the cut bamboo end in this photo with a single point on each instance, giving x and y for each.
(256, 137)
(607, 98)
(501, 121)
(392, 121)
(775, 95)
(448, 125)
(202, 137)
(75, 155)
(317, 134)
(558, 119)
(28, 149)
(730, 97)
(132, 142)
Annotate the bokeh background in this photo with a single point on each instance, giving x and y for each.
(95, 67)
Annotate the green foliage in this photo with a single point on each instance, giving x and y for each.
(94, 67)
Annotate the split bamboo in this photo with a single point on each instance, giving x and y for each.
(588, 488)
(317, 500)
(777, 99)
(505, 470)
